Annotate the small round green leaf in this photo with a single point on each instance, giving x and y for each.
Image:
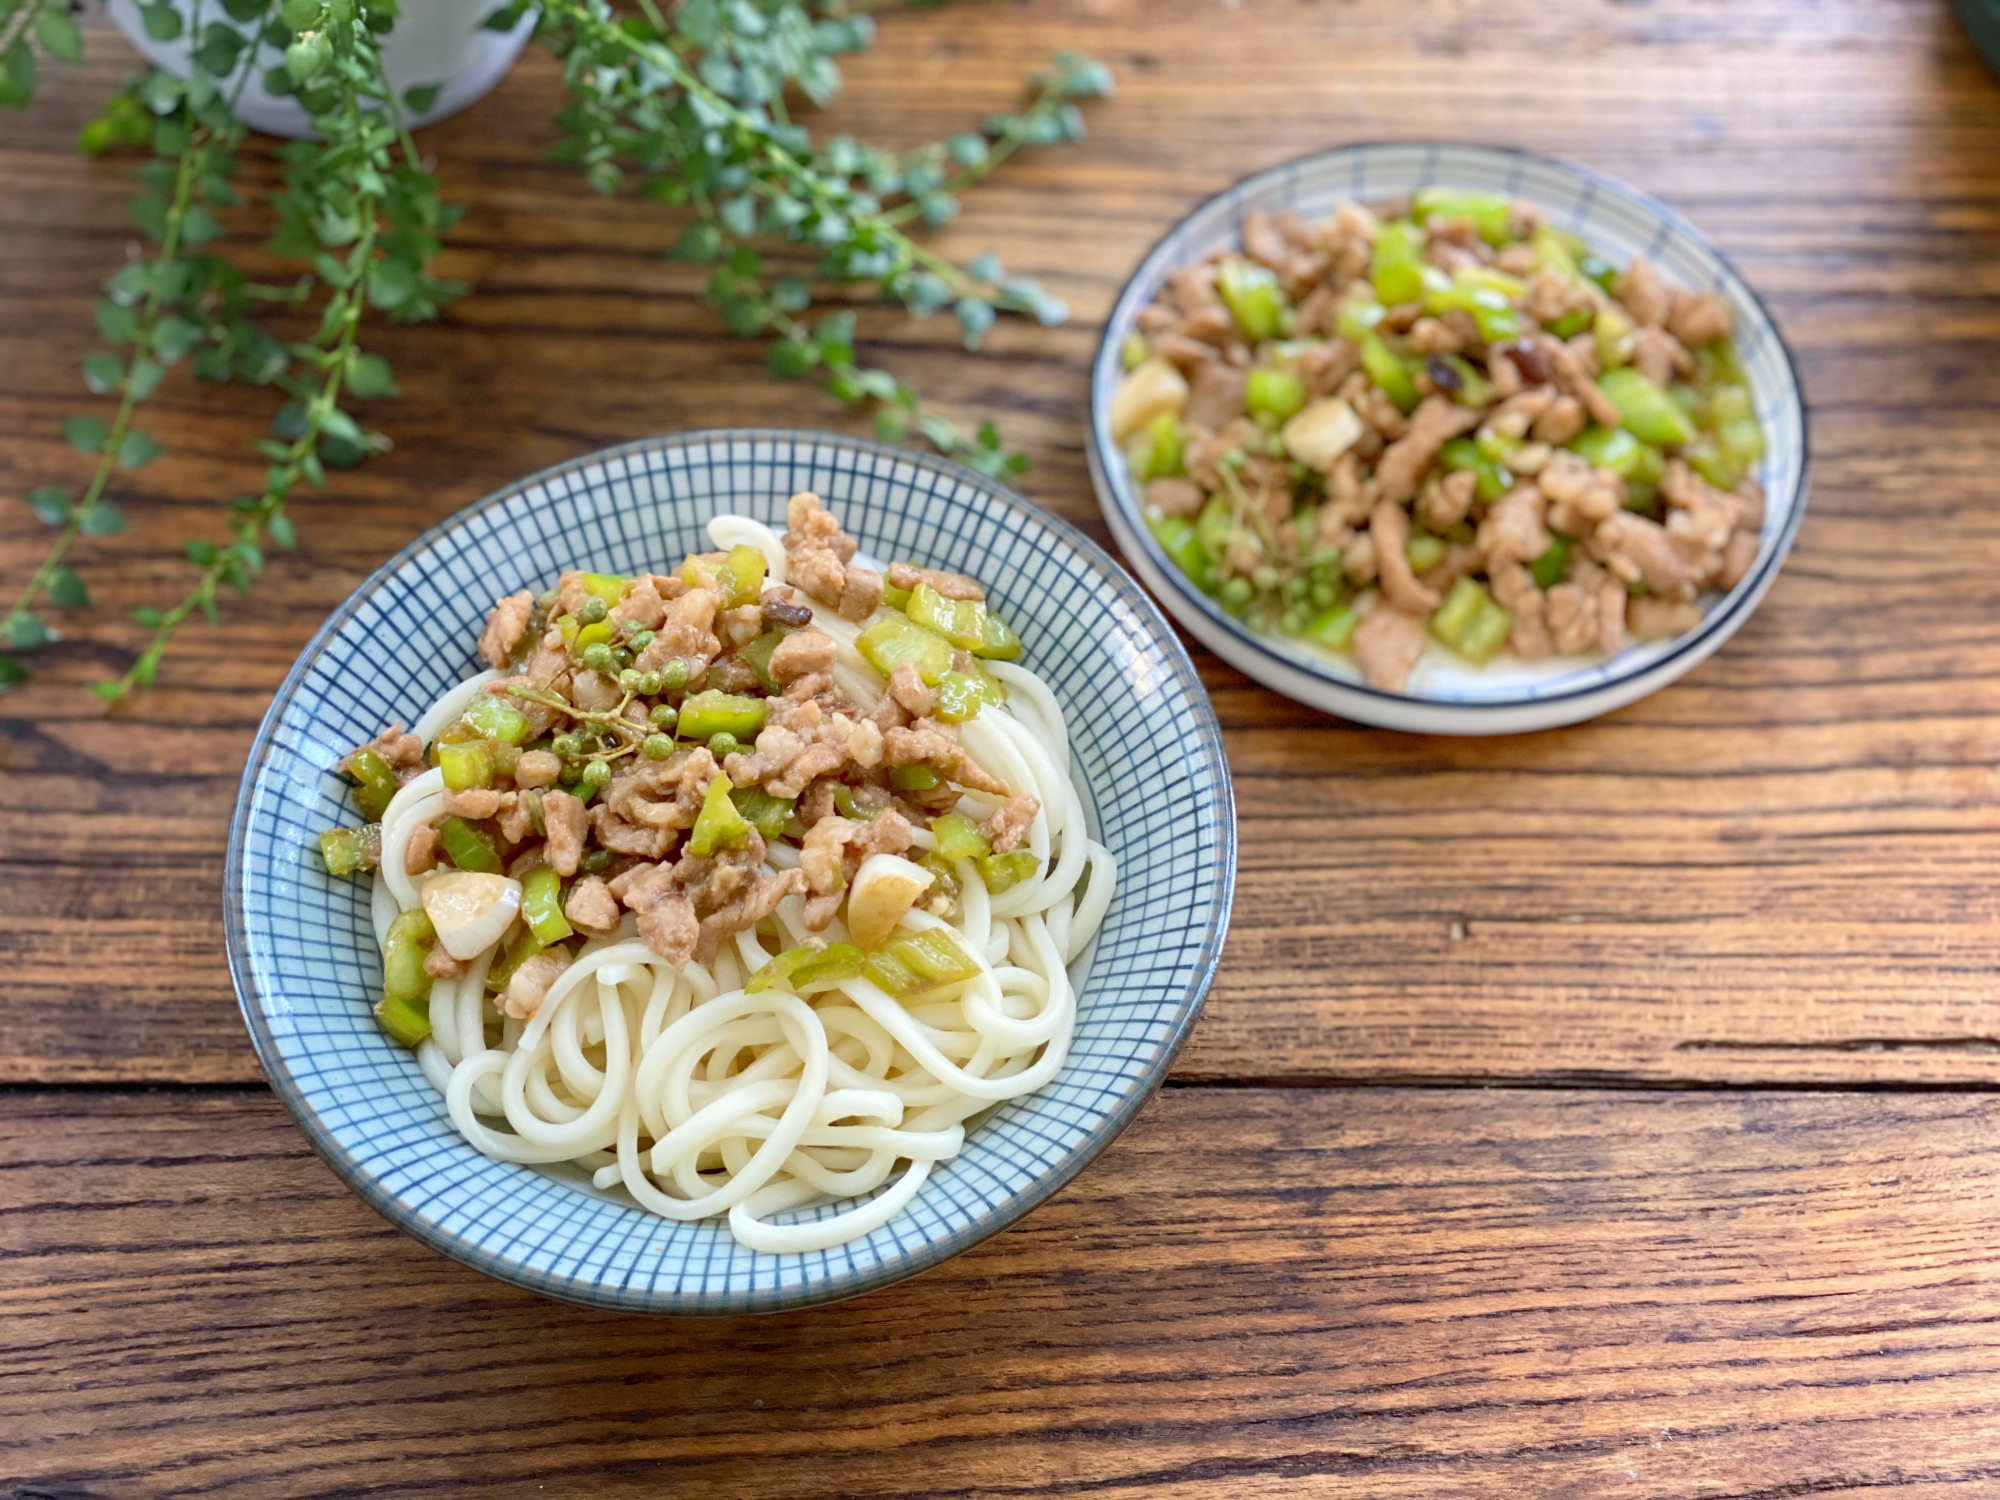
(85, 434)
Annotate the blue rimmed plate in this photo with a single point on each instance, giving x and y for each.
(301, 947)
(1446, 695)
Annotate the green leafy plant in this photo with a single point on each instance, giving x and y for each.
(691, 111)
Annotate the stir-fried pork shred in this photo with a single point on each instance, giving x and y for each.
(608, 777)
(1445, 413)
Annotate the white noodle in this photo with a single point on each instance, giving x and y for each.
(702, 1100)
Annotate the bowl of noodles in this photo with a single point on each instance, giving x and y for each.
(729, 872)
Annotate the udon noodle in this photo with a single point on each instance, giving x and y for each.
(691, 1080)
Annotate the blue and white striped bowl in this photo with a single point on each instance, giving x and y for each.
(306, 968)
(1447, 695)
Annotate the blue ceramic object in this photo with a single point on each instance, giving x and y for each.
(1982, 22)
(305, 964)
(1447, 695)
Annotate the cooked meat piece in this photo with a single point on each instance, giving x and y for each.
(1587, 611)
(1564, 420)
(746, 911)
(1357, 559)
(1190, 288)
(536, 768)
(1513, 530)
(1514, 589)
(505, 626)
(813, 525)
(474, 802)
(1552, 296)
(1513, 417)
(1216, 397)
(818, 559)
(1658, 356)
(908, 690)
(441, 965)
(1386, 645)
(1325, 365)
(399, 751)
(1661, 619)
(517, 817)
(1434, 336)
(1390, 529)
(820, 856)
(1641, 551)
(1010, 823)
(1569, 481)
(888, 832)
(1645, 297)
(1698, 318)
(951, 585)
(591, 908)
(687, 633)
(550, 661)
(776, 747)
(564, 822)
(642, 605)
(1434, 423)
(529, 985)
(420, 853)
(621, 837)
(740, 626)
(593, 691)
(1737, 558)
(1700, 519)
(927, 740)
(1175, 497)
(803, 651)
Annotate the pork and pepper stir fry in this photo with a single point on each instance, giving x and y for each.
(1441, 419)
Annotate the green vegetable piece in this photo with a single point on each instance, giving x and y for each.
(1742, 440)
(889, 643)
(1490, 213)
(1153, 453)
(374, 783)
(1386, 368)
(1423, 551)
(404, 948)
(1133, 352)
(466, 765)
(961, 695)
(583, 638)
(917, 776)
(997, 642)
(757, 656)
(493, 718)
(542, 906)
(468, 846)
(1272, 396)
(609, 587)
(1254, 298)
(718, 825)
(1613, 336)
(1616, 449)
(1181, 542)
(407, 1022)
(1570, 324)
(960, 621)
(1212, 528)
(349, 851)
(525, 945)
(1552, 249)
(919, 963)
(1333, 628)
(743, 573)
(762, 811)
(1474, 389)
(1715, 465)
(1470, 623)
(714, 712)
(1647, 412)
(1597, 269)
(1358, 316)
(801, 968)
(1489, 306)
(1002, 872)
(1493, 480)
(1495, 445)
(1550, 567)
(1397, 265)
(959, 837)
(894, 597)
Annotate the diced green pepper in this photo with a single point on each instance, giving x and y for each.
(894, 597)
(1154, 452)
(1271, 396)
(468, 846)
(743, 573)
(798, 968)
(580, 637)
(541, 905)
(1552, 249)
(1496, 446)
(606, 586)
(997, 641)
(1397, 265)
(918, 963)
(917, 776)
(890, 642)
(715, 712)
(1493, 481)
(1613, 336)
(960, 621)
(1254, 298)
(1491, 311)
(348, 851)
(846, 804)
(1474, 389)
(1132, 353)
(1333, 628)
(404, 948)
(1491, 213)
(1423, 551)
(1358, 316)
(757, 656)
(406, 1022)
(1714, 464)
(718, 825)
(959, 837)
(466, 765)
(961, 695)
(374, 783)
(1386, 368)
(1646, 410)
(1597, 269)
(1212, 529)
(762, 811)
(1001, 872)
(494, 718)
(1182, 543)
(1640, 465)
(1570, 324)
(1548, 569)
(1470, 623)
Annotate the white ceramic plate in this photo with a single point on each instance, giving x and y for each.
(1447, 695)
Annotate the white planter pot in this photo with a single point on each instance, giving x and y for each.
(437, 42)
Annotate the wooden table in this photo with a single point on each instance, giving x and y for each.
(1607, 1112)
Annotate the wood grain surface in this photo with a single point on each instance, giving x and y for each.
(1662, 1268)
(1380, 1293)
